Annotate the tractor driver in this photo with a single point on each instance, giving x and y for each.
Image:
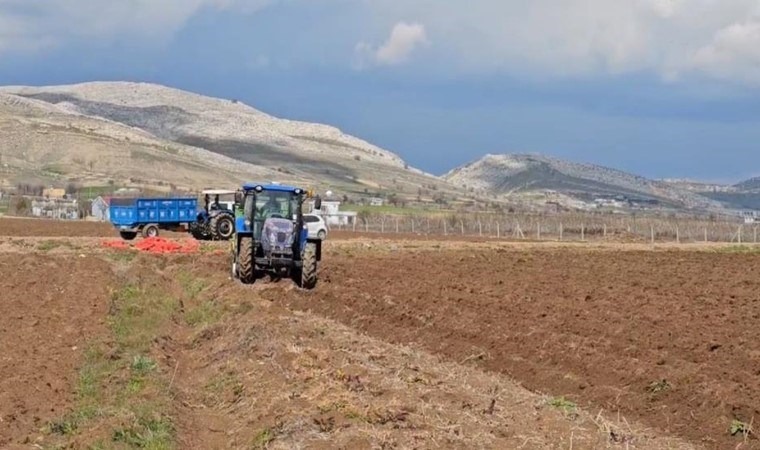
(215, 205)
(271, 208)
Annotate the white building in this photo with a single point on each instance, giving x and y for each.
(332, 214)
(100, 209)
(56, 209)
(751, 217)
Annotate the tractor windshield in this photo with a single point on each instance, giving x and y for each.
(271, 204)
(276, 204)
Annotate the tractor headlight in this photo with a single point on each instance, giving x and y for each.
(298, 191)
(247, 223)
(258, 188)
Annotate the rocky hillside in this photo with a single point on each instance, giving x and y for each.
(43, 142)
(121, 131)
(749, 186)
(512, 175)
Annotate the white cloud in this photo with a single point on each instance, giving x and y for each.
(733, 53)
(26, 24)
(402, 42)
(397, 49)
(674, 39)
(671, 38)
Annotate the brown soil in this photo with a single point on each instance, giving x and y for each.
(53, 228)
(307, 382)
(46, 320)
(604, 328)
(662, 338)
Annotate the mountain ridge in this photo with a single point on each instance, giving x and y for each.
(511, 174)
(234, 137)
(128, 132)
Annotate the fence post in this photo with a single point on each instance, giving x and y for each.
(740, 234)
(382, 226)
(538, 231)
(354, 224)
(444, 227)
(705, 235)
(651, 227)
(605, 230)
(498, 230)
(461, 223)
(366, 226)
(755, 232)
(396, 225)
(412, 225)
(678, 235)
(583, 232)
(480, 228)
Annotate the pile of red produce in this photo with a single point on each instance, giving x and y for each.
(157, 245)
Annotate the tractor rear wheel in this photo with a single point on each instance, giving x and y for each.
(309, 268)
(222, 226)
(245, 261)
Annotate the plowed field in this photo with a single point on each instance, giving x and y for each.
(402, 344)
(669, 338)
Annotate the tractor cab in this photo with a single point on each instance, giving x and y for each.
(270, 235)
(218, 200)
(217, 218)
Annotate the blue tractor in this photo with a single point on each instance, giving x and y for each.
(216, 221)
(270, 235)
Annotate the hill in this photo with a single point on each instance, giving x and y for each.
(740, 196)
(749, 186)
(514, 175)
(128, 133)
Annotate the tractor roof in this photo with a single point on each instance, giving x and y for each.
(217, 192)
(271, 187)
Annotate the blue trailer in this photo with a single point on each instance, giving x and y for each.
(149, 215)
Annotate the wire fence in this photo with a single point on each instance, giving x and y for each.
(574, 227)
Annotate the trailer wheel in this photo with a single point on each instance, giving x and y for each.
(150, 230)
(245, 261)
(128, 235)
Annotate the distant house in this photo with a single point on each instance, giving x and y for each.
(54, 193)
(751, 217)
(56, 208)
(127, 191)
(332, 214)
(100, 209)
(376, 201)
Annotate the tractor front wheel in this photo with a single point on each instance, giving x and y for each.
(245, 261)
(308, 279)
(199, 232)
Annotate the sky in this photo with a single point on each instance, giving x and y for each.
(662, 88)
